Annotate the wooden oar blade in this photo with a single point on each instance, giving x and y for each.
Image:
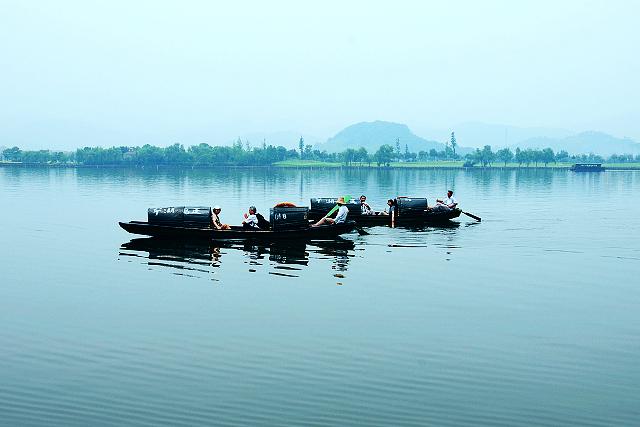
(477, 218)
(361, 231)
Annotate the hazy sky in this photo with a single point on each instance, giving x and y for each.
(110, 72)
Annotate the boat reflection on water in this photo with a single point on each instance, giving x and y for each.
(192, 258)
(451, 225)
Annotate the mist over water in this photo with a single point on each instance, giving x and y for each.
(527, 318)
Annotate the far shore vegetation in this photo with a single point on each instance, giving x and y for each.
(242, 153)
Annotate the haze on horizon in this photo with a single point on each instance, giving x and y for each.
(75, 73)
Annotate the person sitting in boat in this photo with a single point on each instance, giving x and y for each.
(391, 207)
(254, 220)
(450, 202)
(341, 217)
(250, 220)
(263, 224)
(365, 209)
(215, 219)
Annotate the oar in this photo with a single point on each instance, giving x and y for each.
(361, 231)
(477, 218)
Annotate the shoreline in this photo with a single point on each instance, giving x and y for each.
(319, 165)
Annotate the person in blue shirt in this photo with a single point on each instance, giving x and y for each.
(392, 211)
(341, 217)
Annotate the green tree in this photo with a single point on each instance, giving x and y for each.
(454, 144)
(348, 156)
(505, 155)
(547, 156)
(487, 156)
(362, 155)
(384, 155)
(308, 151)
(519, 156)
(176, 154)
(301, 146)
(12, 154)
(562, 156)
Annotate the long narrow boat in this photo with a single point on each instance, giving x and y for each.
(410, 211)
(428, 217)
(322, 232)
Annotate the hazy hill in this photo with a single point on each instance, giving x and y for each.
(477, 134)
(586, 142)
(371, 135)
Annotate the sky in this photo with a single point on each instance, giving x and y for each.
(76, 73)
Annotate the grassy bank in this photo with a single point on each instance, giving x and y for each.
(294, 163)
(445, 164)
(440, 164)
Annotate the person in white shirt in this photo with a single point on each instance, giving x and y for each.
(341, 217)
(450, 202)
(251, 221)
(365, 209)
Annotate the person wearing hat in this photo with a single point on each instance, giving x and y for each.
(215, 219)
(341, 217)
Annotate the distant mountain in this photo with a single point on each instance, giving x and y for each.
(477, 135)
(584, 143)
(371, 135)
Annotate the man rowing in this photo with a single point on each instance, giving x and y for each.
(445, 205)
(450, 202)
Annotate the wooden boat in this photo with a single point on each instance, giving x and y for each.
(322, 232)
(410, 211)
(428, 217)
(587, 167)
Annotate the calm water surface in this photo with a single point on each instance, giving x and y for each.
(531, 317)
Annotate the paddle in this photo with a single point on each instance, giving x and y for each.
(359, 229)
(477, 218)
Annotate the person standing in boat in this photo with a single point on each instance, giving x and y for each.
(365, 209)
(341, 217)
(450, 202)
(215, 219)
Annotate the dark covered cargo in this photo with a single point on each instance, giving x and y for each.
(289, 218)
(198, 216)
(411, 206)
(322, 205)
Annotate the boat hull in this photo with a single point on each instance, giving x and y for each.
(431, 217)
(235, 233)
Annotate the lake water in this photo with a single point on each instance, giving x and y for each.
(531, 317)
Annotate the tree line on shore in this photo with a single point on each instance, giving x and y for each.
(243, 154)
